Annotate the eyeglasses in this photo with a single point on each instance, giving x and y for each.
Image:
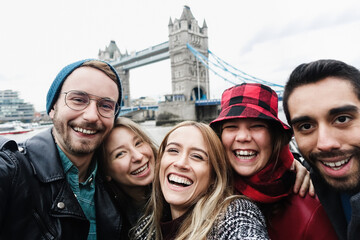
(78, 100)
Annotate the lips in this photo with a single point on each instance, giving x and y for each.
(336, 165)
(179, 180)
(245, 154)
(140, 170)
(84, 131)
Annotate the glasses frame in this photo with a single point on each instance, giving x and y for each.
(97, 99)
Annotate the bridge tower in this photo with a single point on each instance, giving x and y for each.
(112, 53)
(189, 77)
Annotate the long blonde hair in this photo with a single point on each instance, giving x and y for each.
(207, 207)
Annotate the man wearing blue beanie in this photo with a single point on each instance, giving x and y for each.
(51, 189)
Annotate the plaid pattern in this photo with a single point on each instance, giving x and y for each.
(249, 100)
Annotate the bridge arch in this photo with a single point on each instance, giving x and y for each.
(197, 94)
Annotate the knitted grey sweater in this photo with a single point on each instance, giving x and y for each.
(242, 220)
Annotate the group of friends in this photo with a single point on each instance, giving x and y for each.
(95, 175)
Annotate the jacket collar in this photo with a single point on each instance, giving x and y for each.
(42, 152)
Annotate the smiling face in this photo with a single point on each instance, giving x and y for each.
(248, 144)
(184, 169)
(81, 132)
(130, 159)
(326, 121)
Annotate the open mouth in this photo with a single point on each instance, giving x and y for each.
(336, 165)
(84, 131)
(140, 170)
(245, 154)
(179, 181)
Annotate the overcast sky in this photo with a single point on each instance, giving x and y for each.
(263, 38)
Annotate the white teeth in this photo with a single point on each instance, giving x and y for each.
(140, 170)
(180, 180)
(336, 165)
(244, 154)
(85, 131)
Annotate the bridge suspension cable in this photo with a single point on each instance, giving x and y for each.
(220, 68)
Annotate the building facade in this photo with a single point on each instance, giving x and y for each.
(12, 108)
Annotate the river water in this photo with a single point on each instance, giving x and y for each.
(155, 132)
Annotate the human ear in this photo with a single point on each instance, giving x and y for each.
(52, 112)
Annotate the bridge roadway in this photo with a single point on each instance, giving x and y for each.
(147, 56)
(131, 111)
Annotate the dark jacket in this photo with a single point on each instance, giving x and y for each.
(331, 202)
(126, 206)
(36, 201)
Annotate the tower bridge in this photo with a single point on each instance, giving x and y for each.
(187, 49)
(189, 78)
(190, 81)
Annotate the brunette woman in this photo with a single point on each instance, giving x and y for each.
(256, 142)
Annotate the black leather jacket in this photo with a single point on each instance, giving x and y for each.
(36, 202)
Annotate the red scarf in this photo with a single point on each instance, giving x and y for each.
(271, 183)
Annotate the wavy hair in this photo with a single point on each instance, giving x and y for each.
(205, 208)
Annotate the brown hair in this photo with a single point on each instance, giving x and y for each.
(279, 138)
(102, 67)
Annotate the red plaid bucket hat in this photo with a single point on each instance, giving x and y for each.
(249, 100)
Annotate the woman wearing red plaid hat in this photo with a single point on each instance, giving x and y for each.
(256, 142)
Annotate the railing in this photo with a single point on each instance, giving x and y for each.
(207, 102)
(129, 110)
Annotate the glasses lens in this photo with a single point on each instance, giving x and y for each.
(77, 100)
(107, 107)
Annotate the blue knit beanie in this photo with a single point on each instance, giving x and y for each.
(55, 87)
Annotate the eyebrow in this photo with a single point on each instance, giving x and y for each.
(115, 149)
(333, 111)
(122, 145)
(346, 108)
(299, 119)
(193, 148)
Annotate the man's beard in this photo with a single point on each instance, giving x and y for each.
(82, 146)
(347, 183)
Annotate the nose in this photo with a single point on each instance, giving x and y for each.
(243, 135)
(90, 113)
(137, 156)
(182, 162)
(326, 139)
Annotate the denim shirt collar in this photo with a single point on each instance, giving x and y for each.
(69, 166)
